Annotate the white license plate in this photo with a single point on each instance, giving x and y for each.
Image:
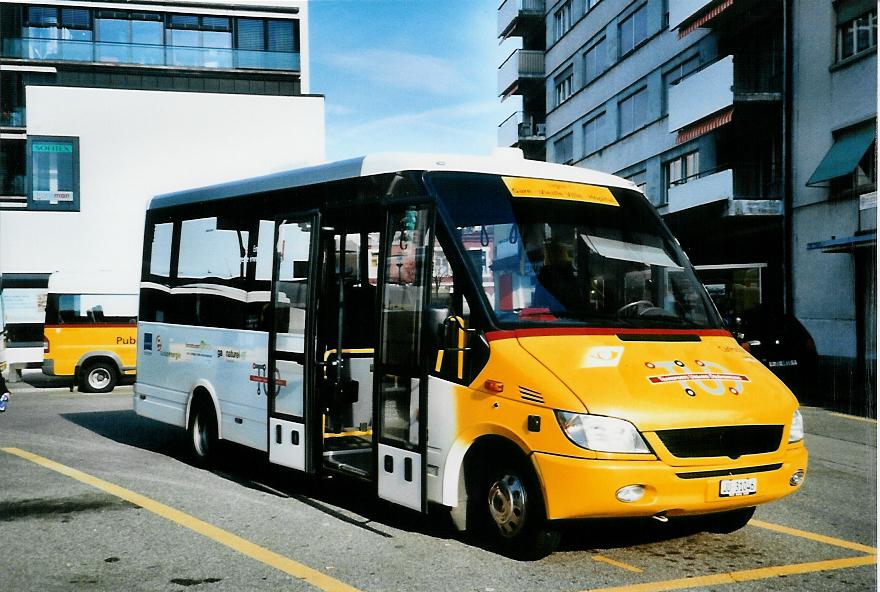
(735, 487)
(782, 363)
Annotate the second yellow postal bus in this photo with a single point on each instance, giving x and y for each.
(90, 330)
(519, 342)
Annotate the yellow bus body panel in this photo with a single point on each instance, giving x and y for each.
(68, 344)
(655, 385)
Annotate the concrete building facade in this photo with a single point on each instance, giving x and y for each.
(106, 104)
(707, 105)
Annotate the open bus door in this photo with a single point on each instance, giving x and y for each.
(401, 373)
(292, 404)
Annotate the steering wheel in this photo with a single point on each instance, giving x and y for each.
(638, 307)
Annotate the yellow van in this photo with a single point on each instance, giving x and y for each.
(90, 333)
(518, 342)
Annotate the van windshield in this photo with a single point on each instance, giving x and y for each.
(586, 256)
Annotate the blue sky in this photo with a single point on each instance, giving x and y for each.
(407, 75)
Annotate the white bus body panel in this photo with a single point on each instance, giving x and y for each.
(174, 359)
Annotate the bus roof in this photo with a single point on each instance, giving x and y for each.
(89, 282)
(376, 164)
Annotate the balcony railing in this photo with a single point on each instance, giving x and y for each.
(701, 94)
(521, 63)
(148, 55)
(521, 127)
(510, 10)
(729, 181)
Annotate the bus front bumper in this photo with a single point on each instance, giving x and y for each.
(48, 367)
(582, 488)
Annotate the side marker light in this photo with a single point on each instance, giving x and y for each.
(494, 386)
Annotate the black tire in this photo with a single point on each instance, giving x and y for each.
(98, 377)
(731, 521)
(202, 434)
(509, 512)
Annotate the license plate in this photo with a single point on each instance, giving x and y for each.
(736, 487)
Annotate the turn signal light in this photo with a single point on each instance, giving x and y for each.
(494, 386)
(45, 345)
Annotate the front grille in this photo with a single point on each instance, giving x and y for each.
(731, 441)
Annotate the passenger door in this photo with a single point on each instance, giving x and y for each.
(400, 377)
(290, 372)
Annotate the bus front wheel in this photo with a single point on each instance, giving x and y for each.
(203, 434)
(97, 377)
(513, 518)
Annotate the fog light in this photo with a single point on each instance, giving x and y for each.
(630, 493)
(797, 478)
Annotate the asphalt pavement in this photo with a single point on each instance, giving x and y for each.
(95, 498)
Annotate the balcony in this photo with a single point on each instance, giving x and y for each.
(513, 13)
(521, 127)
(748, 190)
(520, 68)
(148, 55)
(684, 10)
(701, 94)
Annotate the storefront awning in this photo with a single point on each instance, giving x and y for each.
(844, 245)
(844, 155)
(704, 126)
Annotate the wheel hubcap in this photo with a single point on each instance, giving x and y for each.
(507, 504)
(99, 378)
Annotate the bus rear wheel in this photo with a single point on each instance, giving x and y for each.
(97, 377)
(202, 434)
(513, 517)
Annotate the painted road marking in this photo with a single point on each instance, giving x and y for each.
(745, 575)
(821, 538)
(853, 417)
(236, 543)
(619, 564)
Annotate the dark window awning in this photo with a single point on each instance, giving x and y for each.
(844, 155)
(844, 245)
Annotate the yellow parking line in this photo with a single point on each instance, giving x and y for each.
(853, 417)
(619, 564)
(745, 575)
(821, 538)
(236, 543)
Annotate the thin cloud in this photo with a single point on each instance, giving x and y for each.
(402, 70)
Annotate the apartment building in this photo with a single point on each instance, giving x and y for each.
(104, 104)
(708, 106)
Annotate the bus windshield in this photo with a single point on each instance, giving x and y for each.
(579, 260)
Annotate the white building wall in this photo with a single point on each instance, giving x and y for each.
(135, 144)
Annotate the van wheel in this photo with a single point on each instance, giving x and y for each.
(731, 521)
(97, 377)
(202, 433)
(513, 518)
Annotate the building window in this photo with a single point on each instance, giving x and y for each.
(53, 173)
(593, 131)
(563, 85)
(633, 111)
(862, 180)
(129, 38)
(640, 179)
(562, 20)
(682, 169)
(633, 30)
(856, 35)
(592, 4)
(563, 149)
(200, 41)
(595, 60)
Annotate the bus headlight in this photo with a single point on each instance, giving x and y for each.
(602, 434)
(796, 433)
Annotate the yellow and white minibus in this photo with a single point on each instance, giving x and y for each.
(519, 342)
(90, 332)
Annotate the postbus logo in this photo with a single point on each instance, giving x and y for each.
(709, 377)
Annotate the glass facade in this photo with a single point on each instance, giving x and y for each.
(152, 38)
